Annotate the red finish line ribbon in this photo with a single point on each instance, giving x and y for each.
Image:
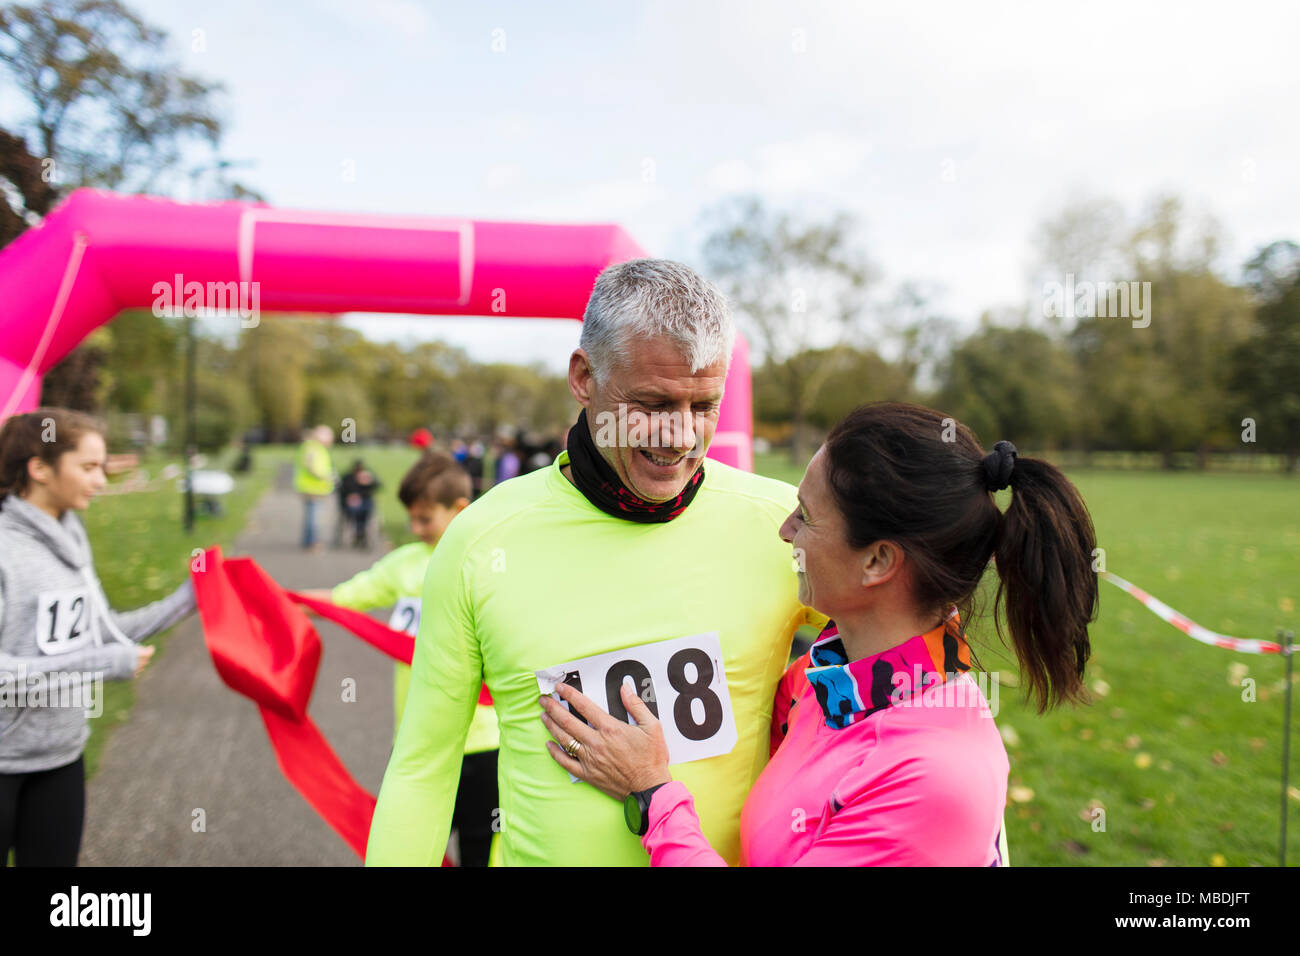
(1188, 626)
(264, 647)
(398, 645)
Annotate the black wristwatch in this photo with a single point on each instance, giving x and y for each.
(636, 810)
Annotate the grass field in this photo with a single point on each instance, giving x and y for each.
(1186, 771)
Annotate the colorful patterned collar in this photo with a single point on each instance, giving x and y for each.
(887, 678)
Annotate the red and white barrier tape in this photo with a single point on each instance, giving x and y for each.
(1190, 627)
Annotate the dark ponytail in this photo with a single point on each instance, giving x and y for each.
(46, 433)
(1047, 589)
(911, 475)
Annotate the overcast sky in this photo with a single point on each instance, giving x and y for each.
(949, 129)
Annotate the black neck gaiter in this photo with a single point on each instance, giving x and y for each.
(600, 485)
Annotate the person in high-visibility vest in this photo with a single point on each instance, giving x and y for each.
(314, 478)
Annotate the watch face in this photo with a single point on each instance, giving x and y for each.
(632, 813)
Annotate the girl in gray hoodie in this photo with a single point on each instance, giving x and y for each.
(59, 638)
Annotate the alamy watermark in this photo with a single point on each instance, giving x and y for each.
(918, 689)
(42, 689)
(1105, 300)
(217, 300)
(638, 429)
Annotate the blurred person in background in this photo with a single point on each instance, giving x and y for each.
(357, 490)
(508, 462)
(474, 466)
(314, 479)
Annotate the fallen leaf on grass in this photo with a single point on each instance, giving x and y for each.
(1020, 794)
(1142, 761)
(1089, 813)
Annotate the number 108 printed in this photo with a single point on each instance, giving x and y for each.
(682, 682)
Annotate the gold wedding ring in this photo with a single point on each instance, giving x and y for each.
(572, 748)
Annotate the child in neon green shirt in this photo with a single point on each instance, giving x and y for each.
(433, 491)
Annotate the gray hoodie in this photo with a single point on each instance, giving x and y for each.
(57, 631)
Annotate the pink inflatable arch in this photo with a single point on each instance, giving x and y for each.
(99, 253)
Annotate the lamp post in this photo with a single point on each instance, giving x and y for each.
(191, 346)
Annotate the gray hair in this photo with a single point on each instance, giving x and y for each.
(646, 298)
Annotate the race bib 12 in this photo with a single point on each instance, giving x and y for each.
(63, 621)
(681, 681)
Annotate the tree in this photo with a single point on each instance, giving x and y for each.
(855, 376)
(1266, 366)
(276, 354)
(33, 193)
(1016, 383)
(799, 287)
(107, 109)
(1159, 380)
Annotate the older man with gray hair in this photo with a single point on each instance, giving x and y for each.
(628, 560)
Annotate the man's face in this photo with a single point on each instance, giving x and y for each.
(668, 415)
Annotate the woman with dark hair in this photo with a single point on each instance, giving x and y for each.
(884, 747)
(58, 635)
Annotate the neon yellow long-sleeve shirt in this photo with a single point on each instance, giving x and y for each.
(533, 575)
(397, 579)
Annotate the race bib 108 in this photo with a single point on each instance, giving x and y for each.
(681, 681)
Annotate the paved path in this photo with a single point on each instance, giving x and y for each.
(192, 743)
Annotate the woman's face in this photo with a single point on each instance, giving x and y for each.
(830, 572)
(77, 477)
